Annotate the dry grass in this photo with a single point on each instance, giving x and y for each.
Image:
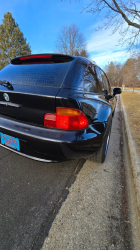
(132, 105)
(130, 88)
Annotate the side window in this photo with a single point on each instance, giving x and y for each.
(102, 79)
(90, 80)
(105, 82)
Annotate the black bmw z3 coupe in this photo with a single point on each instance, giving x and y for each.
(56, 108)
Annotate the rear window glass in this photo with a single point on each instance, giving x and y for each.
(35, 74)
(75, 75)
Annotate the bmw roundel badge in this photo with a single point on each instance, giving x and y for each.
(6, 97)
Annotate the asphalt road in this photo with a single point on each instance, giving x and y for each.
(65, 206)
(28, 192)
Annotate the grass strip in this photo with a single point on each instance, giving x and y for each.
(131, 102)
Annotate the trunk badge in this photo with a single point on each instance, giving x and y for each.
(6, 97)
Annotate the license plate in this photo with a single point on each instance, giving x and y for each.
(10, 141)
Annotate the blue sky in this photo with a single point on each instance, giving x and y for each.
(41, 20)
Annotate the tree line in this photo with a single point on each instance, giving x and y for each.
(127, 74)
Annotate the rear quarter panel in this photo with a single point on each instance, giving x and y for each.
(98, 111)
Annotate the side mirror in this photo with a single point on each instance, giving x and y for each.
(117, 91)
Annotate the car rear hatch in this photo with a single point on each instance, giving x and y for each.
(29, 85)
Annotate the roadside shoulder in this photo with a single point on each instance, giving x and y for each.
(134, 161)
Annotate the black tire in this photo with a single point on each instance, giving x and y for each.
(100, 155)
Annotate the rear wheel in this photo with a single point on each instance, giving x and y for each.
(100, 155)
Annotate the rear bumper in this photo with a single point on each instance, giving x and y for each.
(51, 145)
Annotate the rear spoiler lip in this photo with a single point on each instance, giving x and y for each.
(53, 57)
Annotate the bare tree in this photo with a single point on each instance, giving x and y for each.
(116, 13)
(70, 41)
(113, 70)
(127, 74)
(130, 73)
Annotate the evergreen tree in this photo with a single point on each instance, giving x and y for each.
(12, 41)
(83, 53)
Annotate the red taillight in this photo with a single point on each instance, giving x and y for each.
(50, 120)
(66, 118)
(37, 56)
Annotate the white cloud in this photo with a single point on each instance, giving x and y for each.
(102, 59)
(99, 41)
(103, 47)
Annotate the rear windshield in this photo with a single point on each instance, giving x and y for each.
(35, 74)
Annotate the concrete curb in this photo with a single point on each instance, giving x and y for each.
(134, 161)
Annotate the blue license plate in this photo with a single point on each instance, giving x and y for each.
(10, 141)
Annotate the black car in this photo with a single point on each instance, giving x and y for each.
(55, 108)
